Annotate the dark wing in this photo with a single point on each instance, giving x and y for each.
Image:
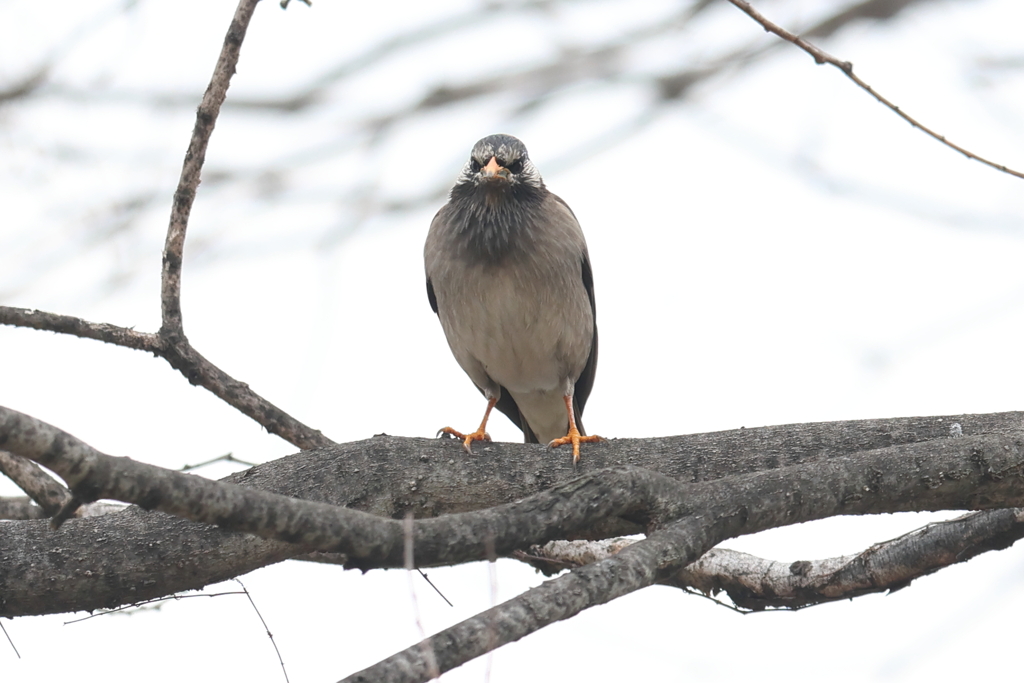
(431, 297)
(586, 379)
(585, 382)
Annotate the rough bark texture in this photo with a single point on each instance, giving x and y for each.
(754, 583)
(976, 471)
(20, 507)
(135, 555)
(46, 491)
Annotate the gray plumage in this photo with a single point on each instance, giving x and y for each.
(509, 277)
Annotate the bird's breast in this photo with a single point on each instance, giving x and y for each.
(527, 321)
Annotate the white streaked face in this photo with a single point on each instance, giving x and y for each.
(510, 157)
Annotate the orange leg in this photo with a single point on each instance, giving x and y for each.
(479, 435)
(574, 437)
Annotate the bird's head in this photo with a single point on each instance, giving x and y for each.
(499, 163)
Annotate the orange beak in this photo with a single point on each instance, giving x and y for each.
(493, 171)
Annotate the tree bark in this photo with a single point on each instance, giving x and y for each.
(135, 555)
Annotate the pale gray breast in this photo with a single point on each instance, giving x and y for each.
(525, 320)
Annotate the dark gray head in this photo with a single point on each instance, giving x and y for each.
(496, 201)
(499, 161)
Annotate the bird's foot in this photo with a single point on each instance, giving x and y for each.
(575, 438)
(466, 439)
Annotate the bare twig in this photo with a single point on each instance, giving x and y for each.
(170, 342)
(265, 628)
(153, 604)
(181, 355)
(227, 457)
(426, 647)
(185, 194)
(822, 57)
(436, 589)
(321, 557)
(566, 596)
(10, 641)
(66, 324)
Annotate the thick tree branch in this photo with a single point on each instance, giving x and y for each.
(369, 540)
(30, 478)
(21, 507)
(756, 584)
(822, 57)
(889, 479)
(390, 476)
(79, 568)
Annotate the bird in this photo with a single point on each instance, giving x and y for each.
(509, 277)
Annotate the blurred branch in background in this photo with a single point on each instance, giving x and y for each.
(822, 57)
(662, 57)
(170, 341)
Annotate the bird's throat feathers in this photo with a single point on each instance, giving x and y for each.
(492, 222)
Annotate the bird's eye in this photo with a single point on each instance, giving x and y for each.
(516, 167)
(475, 165)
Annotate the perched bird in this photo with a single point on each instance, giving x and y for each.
(509, 277)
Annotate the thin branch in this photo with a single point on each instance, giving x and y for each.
(822, 57)
(10, 641)
(427, 650)
(436, 589)
(181, 355)
(185, 194)
(153, 604)
(227, 457)
(200, 371)
(170, 342)
(636, 567)
(76, 327)
(266, 628)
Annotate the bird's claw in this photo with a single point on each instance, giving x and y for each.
(575, 438)
(466, 439)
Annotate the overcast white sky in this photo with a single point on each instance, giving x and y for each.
(775, 248)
